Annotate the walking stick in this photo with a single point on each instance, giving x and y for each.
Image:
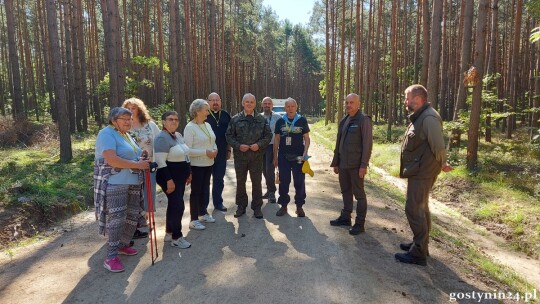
(151, 219)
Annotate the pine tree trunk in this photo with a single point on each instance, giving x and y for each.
(174, 57)
(435, 54)
(513, 74)
(18, 108)
(474, 123)
(425, 42)
(66, 153)
(342, 65)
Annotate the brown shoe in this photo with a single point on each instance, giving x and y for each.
(282, 211)
(300, 212)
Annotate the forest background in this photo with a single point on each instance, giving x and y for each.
(63, 64)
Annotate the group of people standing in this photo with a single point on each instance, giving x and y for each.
(132, 140)
(261, 144)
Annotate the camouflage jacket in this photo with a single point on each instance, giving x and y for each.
(246, 130)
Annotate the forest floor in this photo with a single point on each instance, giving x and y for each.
(247, 260)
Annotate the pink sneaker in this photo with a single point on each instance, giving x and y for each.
(127, 251)
(113, 265)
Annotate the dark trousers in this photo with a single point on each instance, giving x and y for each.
(269, 170)
(200, 189)
(351, 184)
(175, 200)
(242, 166)
(285, 169)
(418, 215)
(218, 174)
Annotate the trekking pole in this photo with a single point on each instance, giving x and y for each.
(151, 219)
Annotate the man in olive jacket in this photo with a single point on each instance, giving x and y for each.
(248, 135)
(351, 158)
(423, 156)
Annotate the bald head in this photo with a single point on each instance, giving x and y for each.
(352, 104)
(214, 101)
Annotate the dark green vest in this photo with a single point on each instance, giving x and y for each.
(417, 160)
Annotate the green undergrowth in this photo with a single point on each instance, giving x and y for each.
(502, 194)
(489, 202)
(37, 190)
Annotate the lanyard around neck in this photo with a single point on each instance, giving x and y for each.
(290, 127)
(217, 119)
(128, 140)
(206, 132)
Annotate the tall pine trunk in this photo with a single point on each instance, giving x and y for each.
(476, 108)
(18, 108)
(63, 124)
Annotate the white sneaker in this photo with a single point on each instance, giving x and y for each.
(168, 237)
(180, 243)
(196, 225)
(207, 218)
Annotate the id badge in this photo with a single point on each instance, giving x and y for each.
(288, 141)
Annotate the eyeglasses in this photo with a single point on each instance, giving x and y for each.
(171, 119)
(124, 119)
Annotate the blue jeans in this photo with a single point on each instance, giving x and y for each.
(285, 169)
(218, 174)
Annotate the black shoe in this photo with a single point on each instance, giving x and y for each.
(265, 196)
(282, 211)
(239, 212)
(356, 229)
(300, 212)
(140, 234)
(258, 213)
(222, 208)
(410, 259)
(340, 222)
(407, 247)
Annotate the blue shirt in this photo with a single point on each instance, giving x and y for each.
(285, 129)
(109, 139)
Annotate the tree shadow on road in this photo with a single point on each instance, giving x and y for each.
(101, 286)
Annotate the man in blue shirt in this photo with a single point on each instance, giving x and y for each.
(291, 145)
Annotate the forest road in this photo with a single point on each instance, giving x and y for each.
(246, 260)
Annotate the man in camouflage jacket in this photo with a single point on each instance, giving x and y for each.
(248, 135)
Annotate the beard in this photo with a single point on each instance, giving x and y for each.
(409, 109)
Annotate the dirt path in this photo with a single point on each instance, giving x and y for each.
(490, 244)
(275, 260)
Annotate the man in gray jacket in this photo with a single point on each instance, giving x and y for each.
(423, 156)
(351, 158)
(268, 165)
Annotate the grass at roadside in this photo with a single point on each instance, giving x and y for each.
(496, 203)
(37, 190)
(503, 194)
